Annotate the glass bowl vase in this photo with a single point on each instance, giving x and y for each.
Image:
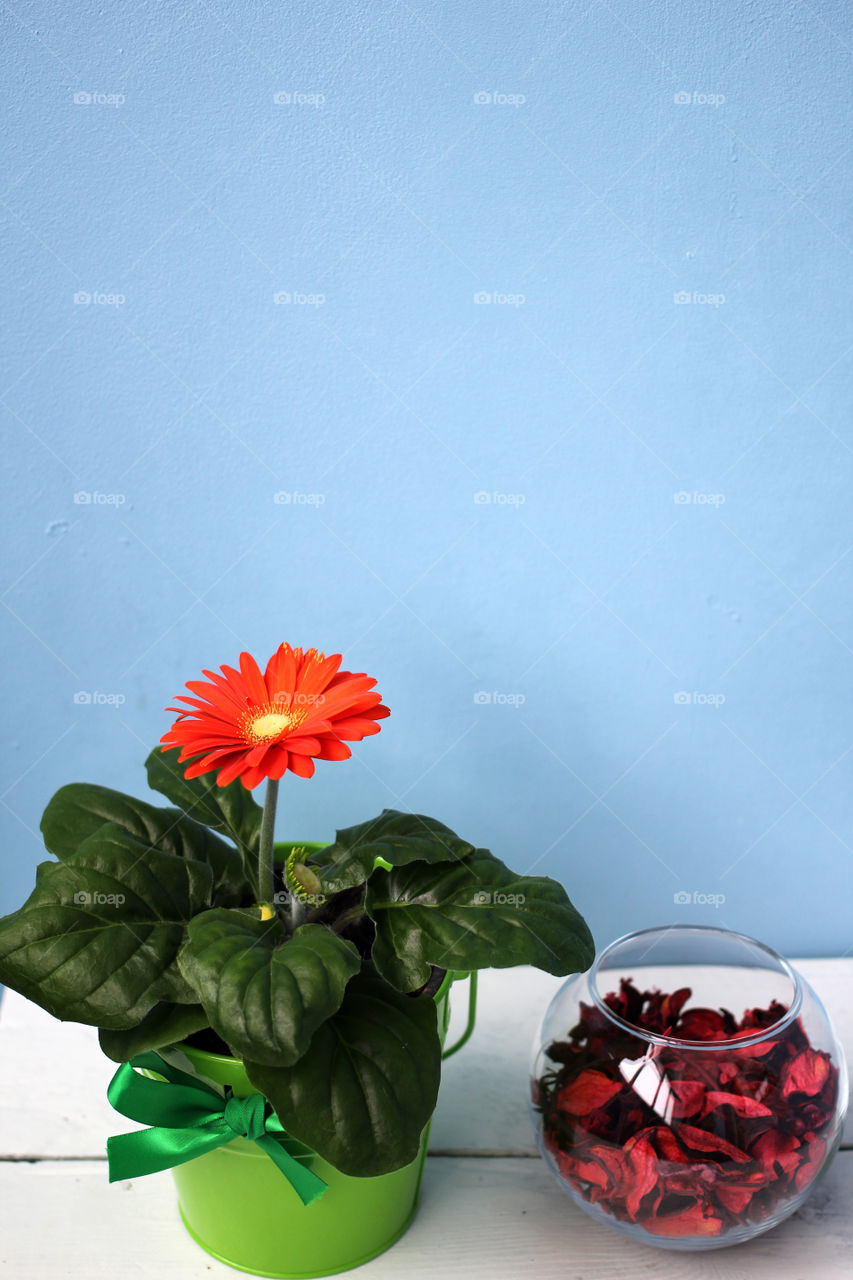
(688, 1089)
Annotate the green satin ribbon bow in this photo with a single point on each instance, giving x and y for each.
(188, 1119)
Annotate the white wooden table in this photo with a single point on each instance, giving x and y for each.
(489, 1207)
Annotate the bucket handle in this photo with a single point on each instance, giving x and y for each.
(472, 1013)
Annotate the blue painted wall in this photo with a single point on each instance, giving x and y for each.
(560, 401)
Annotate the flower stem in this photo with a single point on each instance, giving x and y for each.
(266, 853)
(354, 913)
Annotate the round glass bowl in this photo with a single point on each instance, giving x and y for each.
(688, 1089)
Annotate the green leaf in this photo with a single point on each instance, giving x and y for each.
(80, 809)
(165, 1024)
(367, 1086)
(394, 837)
(265, 994)
(97, 939)
(472, 915)
(231, 810)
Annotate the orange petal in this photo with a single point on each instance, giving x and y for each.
(255, 682)
(302, 766)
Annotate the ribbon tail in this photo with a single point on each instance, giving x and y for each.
(308, 1185)
(133, 1155)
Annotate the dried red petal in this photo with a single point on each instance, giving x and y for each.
(663, 1141)
(644, 1167)
(628, 1002)
(808, 1170)
(597, 1123)
(667, 1146)
(592, 1089)
(758, 1050)
(759, 1019)
(735, 1198)
(699, 1140)
(807, 1073)
(698, 1220)
(774, 1149)
(809, 1118)
(671, 1006)
(693, 1181)
(701, 1024)
(742, 1105)
(613, 1160)
(689, 1098)
(581, 1170)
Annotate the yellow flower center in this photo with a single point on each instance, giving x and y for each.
(264, 725)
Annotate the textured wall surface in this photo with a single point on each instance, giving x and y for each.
(505, 348)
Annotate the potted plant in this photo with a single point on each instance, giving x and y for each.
(278, 1009)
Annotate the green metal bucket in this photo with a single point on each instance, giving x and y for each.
(235, 1203)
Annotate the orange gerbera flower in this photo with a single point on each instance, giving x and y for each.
(252, 726)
